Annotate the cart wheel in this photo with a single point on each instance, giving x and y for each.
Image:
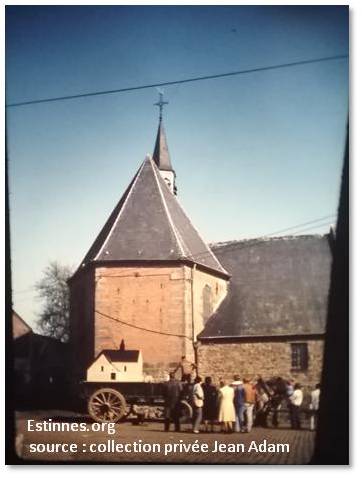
(185, 412)
(106, 405)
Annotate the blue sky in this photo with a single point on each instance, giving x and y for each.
(253, 154)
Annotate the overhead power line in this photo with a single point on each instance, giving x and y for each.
(302, 224)
(238, 245)
(252, 242)
(159, 332)
(179, 82)
(327, 223)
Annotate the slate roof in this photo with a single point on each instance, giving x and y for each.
(148, 224)
(121, 355)
(279, 286)
(161, 155)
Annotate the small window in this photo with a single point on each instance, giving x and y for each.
(113, 376)
(125, 368)
(102, 368)
(299, 356)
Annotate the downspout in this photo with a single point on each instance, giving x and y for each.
(194, 341)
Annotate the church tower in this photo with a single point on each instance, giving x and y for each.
(148, 279)
(161, 155)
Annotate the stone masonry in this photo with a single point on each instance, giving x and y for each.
(267, 358)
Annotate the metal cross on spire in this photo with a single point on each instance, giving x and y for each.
(160, 103)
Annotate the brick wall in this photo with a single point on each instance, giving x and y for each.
(202, 297)
(158, 298)
(209, 291)
(267, 358)
(147, 298)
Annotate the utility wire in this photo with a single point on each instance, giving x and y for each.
(141, 328)
(302, 224)
(179, 82)
(328, 223)
(252, 242)
(238, 245)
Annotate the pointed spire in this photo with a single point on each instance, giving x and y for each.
(161, 155)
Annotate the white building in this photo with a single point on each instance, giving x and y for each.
(117, 366)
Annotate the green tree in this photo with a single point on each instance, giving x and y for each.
(54, 292)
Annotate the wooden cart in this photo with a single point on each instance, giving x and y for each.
(112, 401)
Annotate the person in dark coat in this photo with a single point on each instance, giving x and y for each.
(172, 396)
(279, 394)
(187, 390)
(264, 394)
(210, 411)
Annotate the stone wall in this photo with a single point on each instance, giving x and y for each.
(265, 358)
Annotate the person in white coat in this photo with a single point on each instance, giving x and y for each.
(198, 403)
(314, 405)
(226, 407)
(295, 402)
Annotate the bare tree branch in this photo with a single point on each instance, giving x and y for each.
(53, 291)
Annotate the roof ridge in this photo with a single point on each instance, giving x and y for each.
(200, 237)
(219, 244)
(171, 223)
(122, 209)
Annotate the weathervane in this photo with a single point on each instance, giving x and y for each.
(160, 103)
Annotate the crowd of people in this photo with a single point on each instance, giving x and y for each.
(235, 405)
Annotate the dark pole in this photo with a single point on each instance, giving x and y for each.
(11, 457)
